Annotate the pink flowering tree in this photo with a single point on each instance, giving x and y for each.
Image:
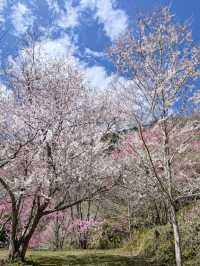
(83, 228)
(56, 229)
(159, 64)
(44, 232)
(84, 218)
(52, 154)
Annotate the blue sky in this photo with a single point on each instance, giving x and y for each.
(82, 28)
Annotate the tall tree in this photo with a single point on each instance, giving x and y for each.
(56, 159)
(160, 64)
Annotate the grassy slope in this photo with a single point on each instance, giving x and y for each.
(157, 242)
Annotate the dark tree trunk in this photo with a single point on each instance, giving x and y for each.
(13, 253)
(17, 253)
(18, 248)
(83, 243)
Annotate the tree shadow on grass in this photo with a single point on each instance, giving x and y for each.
(92, 260)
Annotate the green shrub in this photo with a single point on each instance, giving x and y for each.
(158, 242)
(153, 243)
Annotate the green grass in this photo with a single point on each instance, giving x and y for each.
(81, 258)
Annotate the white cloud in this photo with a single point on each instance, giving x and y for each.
(3, 4)
(21, 17)
(53, 5)
(57, 48)
(97, 77)
(46, 51)
(88, 3)
(115, 21)
(4, 92)
(70, 17)
(89, 52)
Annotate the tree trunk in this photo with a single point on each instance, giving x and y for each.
(24, 248)
(17, 253)
(13, 252)
(18, 248)
(169, 175)
(177, 241)
(129, 221)
(83, 241)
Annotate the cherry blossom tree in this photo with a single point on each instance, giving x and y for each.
(56, 156)
(160, 66)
